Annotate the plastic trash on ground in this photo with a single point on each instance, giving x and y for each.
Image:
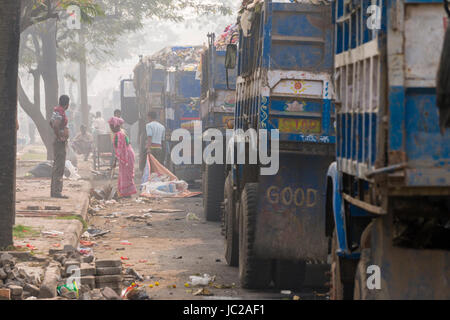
(73, 287)
(74, 176)
(200, 281)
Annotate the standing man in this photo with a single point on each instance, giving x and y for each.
(156, 133)
(59, 123)
(100, 125)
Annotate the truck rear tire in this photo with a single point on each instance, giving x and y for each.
(254, 273)
(342, 275)
(213, 191)
(230, 225)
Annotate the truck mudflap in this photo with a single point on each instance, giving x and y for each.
(405, 274)
(290, 223)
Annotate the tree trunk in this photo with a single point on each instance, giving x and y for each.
(34, 112)
(9, 64)
(49, 73)
(83, 82)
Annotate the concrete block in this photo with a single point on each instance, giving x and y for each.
(110, 294)
(16, 290)
(108, 279)
(108, 263)
(33, 290)
(51, 278)
(109, 271)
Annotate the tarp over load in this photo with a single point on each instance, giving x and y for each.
(159, 182)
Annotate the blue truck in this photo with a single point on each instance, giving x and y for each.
(182, 108)
(274, 223)
(166, 83)
(149, 83)
(387, 201)
(217, 105)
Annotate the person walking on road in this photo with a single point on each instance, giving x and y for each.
(59, 123)
(156, 133)
(125, 155)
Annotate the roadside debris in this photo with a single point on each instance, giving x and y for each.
(93, 233)
(192, 217)
(203, 292)
(201, 281)
(135, 274)
(18, 281)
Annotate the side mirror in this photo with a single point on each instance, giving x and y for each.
(231, 56)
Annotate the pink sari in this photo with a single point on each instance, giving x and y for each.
(125, 157)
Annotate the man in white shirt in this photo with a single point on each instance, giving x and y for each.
(156, 134)
(100, 125)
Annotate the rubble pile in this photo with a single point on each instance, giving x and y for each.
(16, 282)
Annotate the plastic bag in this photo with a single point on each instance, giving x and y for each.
(73, 171)
(200, 281)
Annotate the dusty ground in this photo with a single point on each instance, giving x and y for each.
(168, 249)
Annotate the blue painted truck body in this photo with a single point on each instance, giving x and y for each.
(284, 83)
(218, 100)
(182, 109)
(393, 164)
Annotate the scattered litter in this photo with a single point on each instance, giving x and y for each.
(286, 292)
(224, 286)
(73, 287)
(111, 202)
(52, 233)
(126, 243)
(201, 281)
(87, 243)
(124, 258)
(178, 258)
(120, 249)
(135, 274)
(164, 210)
(56, 245)
(203, 292)
(85, 251)
(126, 291)
(74, 176)
(192, 217)
(33, 208)
(92, 233)
(143, 261)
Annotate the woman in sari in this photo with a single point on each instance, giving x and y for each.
(125, 156)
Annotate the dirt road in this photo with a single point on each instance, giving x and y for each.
(168, 248)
